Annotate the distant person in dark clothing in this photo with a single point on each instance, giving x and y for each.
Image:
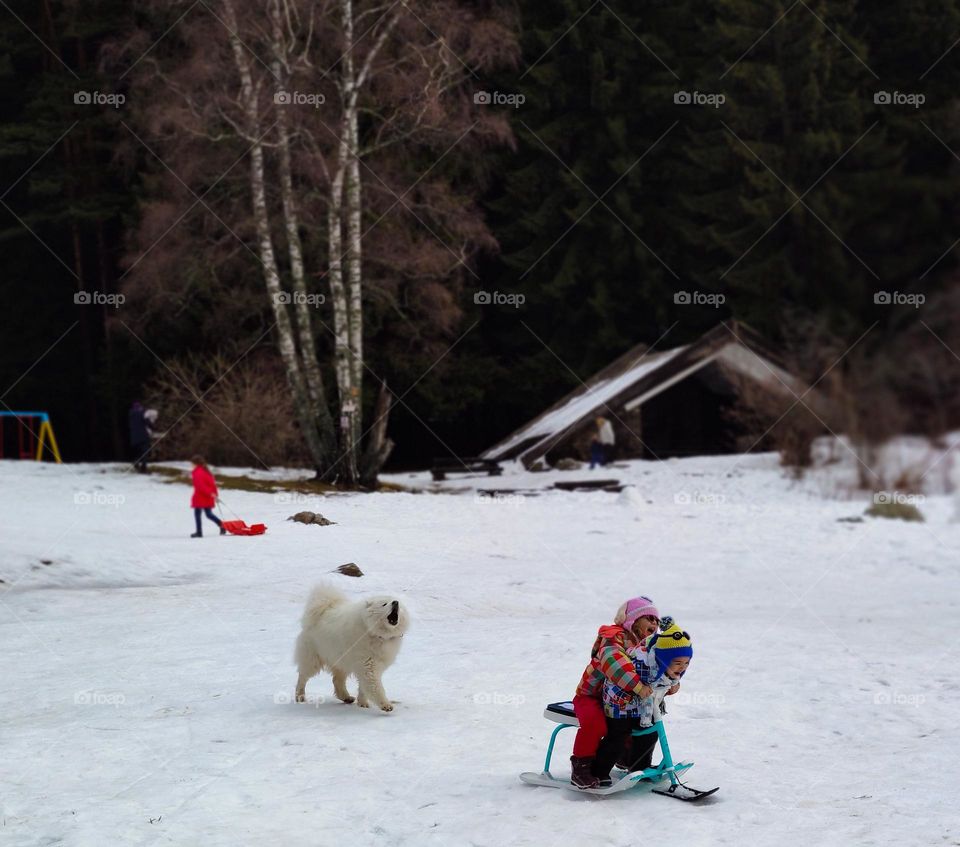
(139, 436)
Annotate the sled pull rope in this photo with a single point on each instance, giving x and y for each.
(221, 505)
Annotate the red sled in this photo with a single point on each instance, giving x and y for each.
(241, 528)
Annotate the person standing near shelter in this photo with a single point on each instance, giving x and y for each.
(601, 448)
(139, 436)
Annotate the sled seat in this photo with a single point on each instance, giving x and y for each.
(561, 713)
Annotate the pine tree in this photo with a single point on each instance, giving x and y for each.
(912, 51)
(576, 218)
(64, 197)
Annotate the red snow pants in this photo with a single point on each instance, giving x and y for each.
(593, 725)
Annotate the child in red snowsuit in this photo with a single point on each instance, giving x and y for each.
(204, 495)
(611, 660)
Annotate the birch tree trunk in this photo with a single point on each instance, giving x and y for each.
(285, 334)
(346, 461)
(354, 261)
(301, 304)
(379, 447)
(345, 320)
(348, 199)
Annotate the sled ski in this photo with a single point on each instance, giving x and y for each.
(634, 779)
(685, 792)
(563, 715)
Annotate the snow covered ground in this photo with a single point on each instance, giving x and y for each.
(147, 676)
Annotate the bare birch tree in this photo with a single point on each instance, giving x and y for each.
(342, 108)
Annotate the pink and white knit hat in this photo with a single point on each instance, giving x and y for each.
(638, 607)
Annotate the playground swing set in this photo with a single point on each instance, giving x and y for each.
(34, 431)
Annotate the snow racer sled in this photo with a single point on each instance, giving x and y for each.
(563, 715)
(241, 528)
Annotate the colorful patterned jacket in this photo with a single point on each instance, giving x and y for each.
(611, 660)
(622, 703)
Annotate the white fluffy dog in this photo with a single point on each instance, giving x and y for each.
(361, 638)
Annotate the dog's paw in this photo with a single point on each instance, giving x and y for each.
(386, 707)
(362, 705)
(347, 699)
(300, 698)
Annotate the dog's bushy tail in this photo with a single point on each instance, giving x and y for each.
(321, 599)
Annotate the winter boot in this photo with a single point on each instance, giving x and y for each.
(223, 531)
(638, 754)
(196, 535)
(580, 774)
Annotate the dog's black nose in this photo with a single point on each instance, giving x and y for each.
(394, 615)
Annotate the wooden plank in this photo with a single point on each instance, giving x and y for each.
(587, 484)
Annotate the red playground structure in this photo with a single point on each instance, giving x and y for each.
(34, 430)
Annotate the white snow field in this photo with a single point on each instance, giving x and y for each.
(147, 677)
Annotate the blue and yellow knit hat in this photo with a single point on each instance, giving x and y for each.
(669, 644)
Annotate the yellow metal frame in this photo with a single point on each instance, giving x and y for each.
(46, 432)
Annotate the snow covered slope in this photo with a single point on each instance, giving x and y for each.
(147, 676)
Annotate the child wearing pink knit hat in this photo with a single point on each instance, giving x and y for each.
(611, 660)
